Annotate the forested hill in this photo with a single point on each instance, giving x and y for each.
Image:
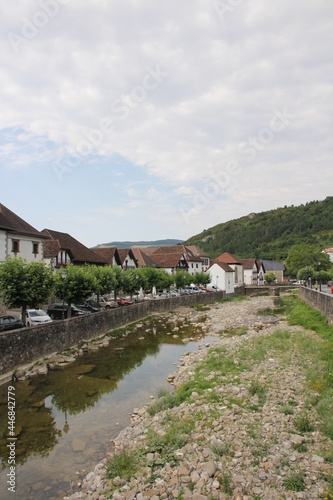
(270, 235)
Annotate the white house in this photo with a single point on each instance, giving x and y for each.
(222, 276)
(235, 264)
(250, 271)
(204, 257)
(18, 238)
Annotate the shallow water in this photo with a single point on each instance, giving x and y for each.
(66, 419)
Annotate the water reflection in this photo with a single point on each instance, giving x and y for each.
(65, 419)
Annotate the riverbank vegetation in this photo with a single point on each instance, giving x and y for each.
(245, 379)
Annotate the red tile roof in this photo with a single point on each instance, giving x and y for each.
(142, 259)
(223, 266)
(248, 263)
(227, 258)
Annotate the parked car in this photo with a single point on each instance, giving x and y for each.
(90, 305)
(55, 311)
(124, 302)
(330, 283)
(107, 303)
(10, 323)
(36, 317)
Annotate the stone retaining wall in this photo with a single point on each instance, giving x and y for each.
(318, 300)
(26, 345)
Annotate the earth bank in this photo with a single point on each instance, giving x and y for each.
(247, 430)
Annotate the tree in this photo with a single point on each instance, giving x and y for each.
(76, 286)
(129, 281)
(182, 279)
(305, 255)
(23, 284)
(104, 277)
(269, 278)
(202, 278)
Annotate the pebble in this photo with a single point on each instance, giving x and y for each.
(247, 443)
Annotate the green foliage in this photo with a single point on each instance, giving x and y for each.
(294, 482)
(23, 284)
(306, 256)
(269, 278)
(271, 234)
(303, 422)
(78, 284)
(124, 465)
(182, 279)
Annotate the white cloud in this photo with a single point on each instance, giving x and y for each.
(183, 88)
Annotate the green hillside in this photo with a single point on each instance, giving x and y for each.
(270, 235)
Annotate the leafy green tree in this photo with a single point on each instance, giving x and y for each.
(130, 281)
(269, 278)
(305, 255)
(116, 279)
(182, 279)
(105, 280)
(78, 284)
(202, 278)
(306, 273)
(23, 284)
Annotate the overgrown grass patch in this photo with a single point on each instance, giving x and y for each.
(294, 482)
(234, 331)
(124, 464)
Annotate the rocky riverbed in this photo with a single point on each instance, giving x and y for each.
(250, 428)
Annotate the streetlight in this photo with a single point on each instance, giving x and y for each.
(63, 277)
(319, 275)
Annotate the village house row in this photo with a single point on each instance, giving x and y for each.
(57, 249)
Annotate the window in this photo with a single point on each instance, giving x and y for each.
(15, 246)
(35, 248)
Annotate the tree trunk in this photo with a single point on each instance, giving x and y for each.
(69, 309)
(24, 314)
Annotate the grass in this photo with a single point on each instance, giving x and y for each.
(294, 482)
(235, 332)
(122, 465)
(303, 422)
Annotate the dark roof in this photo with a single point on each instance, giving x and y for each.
(14, 224)
(248, 263)
(168, 257)
(107, 254)
(142, 259)
(227, 258)
(176, 250)
(51, 248)
(79, 253)
(197, 251)
(123, 253)
(271, 265)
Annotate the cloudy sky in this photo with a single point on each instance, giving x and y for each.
(148, 119)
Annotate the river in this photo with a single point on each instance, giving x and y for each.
(66, 419)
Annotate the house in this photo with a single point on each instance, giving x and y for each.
(250, 271)
(329, 252)
(198, 252)
(170, 258)
(235, 264)
(109, 254)
(142, 259)
(222, 276)
(276, 268)
(61, 249)
(18, 238)
(261, 273)
(127, 259)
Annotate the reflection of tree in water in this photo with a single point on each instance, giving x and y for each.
(34, 425)
(76, 388)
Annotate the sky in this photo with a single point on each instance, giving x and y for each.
(149, 119)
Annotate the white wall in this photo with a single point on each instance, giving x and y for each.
(25, 248)
(194, 267)
(221, 279)
(2, 245)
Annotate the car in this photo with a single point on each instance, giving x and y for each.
(107, 303)
(330, 283)
(90, 305)
(10, 323)
(58, 311)
(124, 302)
(36, 317)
